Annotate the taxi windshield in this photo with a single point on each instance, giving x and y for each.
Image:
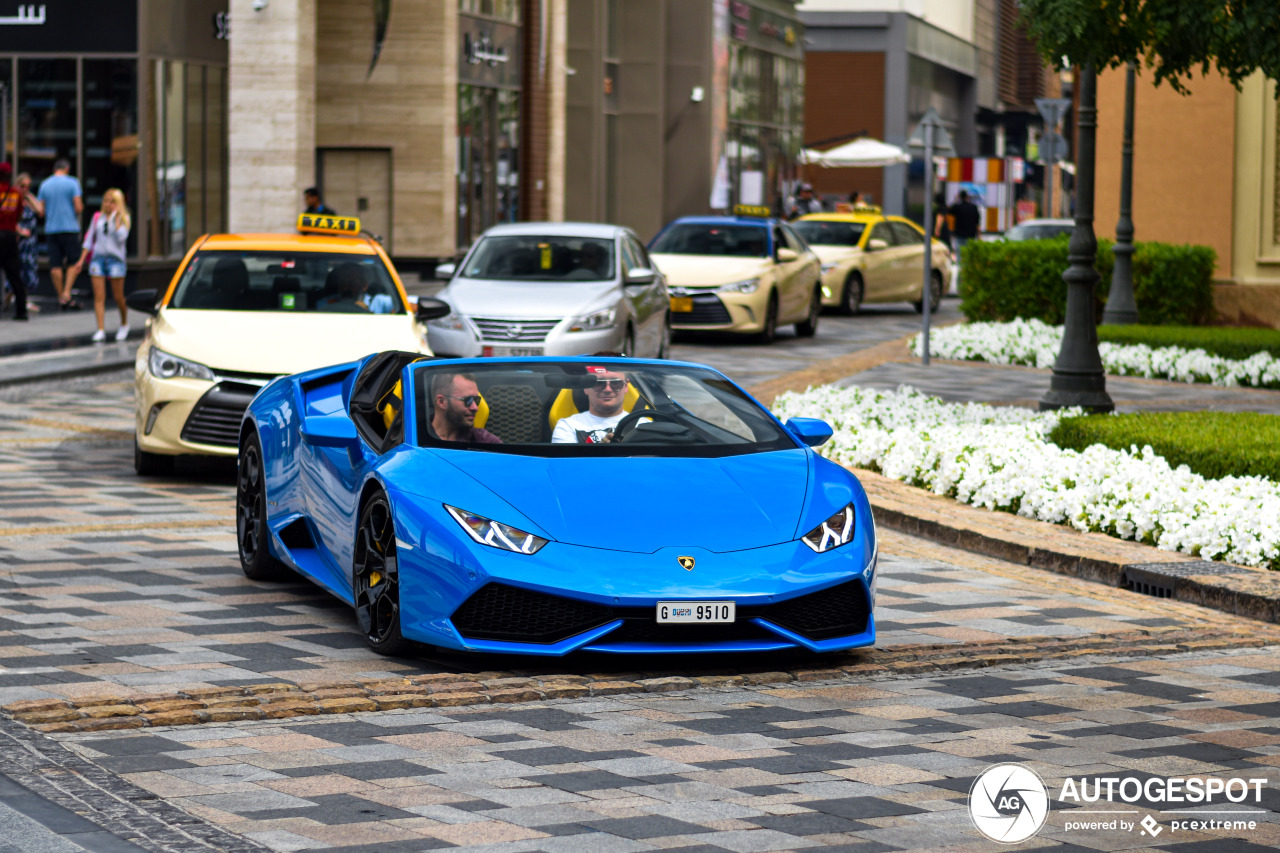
(287, 281)
(819, 233)
(599, 408)
(696, 238)
(532, 257)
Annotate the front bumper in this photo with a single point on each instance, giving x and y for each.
(833, 282)
(721, 312)
(189, 416)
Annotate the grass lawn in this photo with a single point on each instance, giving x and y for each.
(1216, 340)
(1212, 444)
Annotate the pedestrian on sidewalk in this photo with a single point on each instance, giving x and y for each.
(28, 252)
(311, 195)
(965, 215)
(63, 203)
(104, 249)
(11, 207)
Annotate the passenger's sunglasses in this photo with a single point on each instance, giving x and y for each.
(611, 384)
(469, 400)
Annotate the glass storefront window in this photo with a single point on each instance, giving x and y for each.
(215, 159)
(110, 134)
(46, 114)
(506, 10)
(6, 81)
(488, 159)
(195, 125)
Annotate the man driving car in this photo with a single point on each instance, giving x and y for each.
(604, 398)
(455, 398)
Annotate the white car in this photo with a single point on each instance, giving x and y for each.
(553, 288)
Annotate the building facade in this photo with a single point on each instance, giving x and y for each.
(431, 120)
(134, 96)
(678, 107)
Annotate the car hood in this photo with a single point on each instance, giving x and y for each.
(280, 342)
(835, 254)
(703, 270)
(529, 299)
(642, 505)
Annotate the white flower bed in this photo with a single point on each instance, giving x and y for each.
(1000, 458)
(1035, 344)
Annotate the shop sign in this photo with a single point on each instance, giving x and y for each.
(741, 10)
(68, 26)
(222, 26)
(488, 53)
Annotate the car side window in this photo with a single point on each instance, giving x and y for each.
(637, 250)
(794, 240)
(907, 236)
(630, 260)
(883, 231)
(778, 240)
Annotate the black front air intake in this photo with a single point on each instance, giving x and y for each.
(839, 611)
(216, 417)
(501, 612)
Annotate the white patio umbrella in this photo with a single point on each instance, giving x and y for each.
(860, 152)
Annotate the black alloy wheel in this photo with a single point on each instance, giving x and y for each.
(770, 331)
(851, 297)
(251, 514)
(808, 327)
(377, 578)
(150, 464)
(935, 294)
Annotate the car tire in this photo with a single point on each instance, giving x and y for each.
(150, 464)
(935, 294)
(851, 296)
(664, 343)
(376, 578)
(769, 333)
(808, 327)
(252, 537)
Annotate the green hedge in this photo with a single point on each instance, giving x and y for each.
(1213, 444)
(1003, 280)
(1216, 340)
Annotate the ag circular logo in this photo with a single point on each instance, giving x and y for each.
(1008, 803)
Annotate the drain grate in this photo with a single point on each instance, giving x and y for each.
(1148, 582)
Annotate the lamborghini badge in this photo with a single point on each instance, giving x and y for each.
(686, 562)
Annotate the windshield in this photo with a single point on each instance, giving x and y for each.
(817, 233)
(1036, 232)
(541, 258)
(693, 238)
(598, 408)
(288, 281)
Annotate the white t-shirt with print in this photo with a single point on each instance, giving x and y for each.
(595, 428)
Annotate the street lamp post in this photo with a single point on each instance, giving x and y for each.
(1121, 308)
(1078, 378)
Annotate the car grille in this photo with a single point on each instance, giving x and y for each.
(521, 331)
(216, 417)
(836, 612)
(708, 310)
(501, 612)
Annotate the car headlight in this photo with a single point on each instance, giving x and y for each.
(748, 286)
(166, 366)
(486, 531)
(599, 320)
(826, 268)
(452, 322)
(832, 533)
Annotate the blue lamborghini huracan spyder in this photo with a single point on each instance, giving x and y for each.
(548, 505)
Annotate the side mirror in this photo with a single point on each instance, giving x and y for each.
(329, 431)
(143, 301)
(444, 272)
(811, 431)
(876, 244)
(429, 308)
(640, 275)
(786, 256)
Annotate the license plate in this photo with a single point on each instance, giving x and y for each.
(682, 304)
(670, 612)
(511, 351)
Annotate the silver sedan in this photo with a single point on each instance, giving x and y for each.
(553, 288)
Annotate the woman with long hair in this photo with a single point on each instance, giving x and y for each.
(32, 208)
(104, 248)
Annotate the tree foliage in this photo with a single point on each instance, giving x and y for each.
(1173, 38)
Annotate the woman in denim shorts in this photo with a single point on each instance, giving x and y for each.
(104, 247)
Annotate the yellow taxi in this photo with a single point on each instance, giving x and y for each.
(243, 309)
(746, 274)
(870, 257)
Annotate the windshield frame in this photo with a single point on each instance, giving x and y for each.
(723, 389)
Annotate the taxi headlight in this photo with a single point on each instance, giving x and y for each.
(832, 533)
(599, 320)
(826, 268)
(486, 531)
(166, 366)
(748, 286)
(451, 321)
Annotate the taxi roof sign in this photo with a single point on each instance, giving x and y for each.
(321, 223)
(759, 210)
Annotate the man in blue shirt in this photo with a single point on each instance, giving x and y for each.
(63, 204)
